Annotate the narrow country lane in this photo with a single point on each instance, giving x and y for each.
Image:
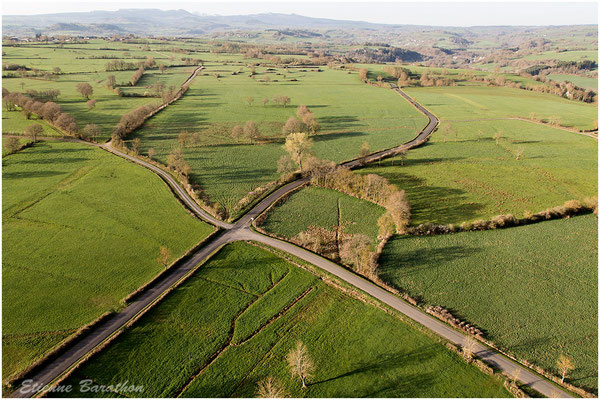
(241, 231)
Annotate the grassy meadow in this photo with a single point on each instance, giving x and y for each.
(470, 102)
(81, 230)
(14, 123)
(470, 177)
(233, 322)
(533, 289)
(228, 170)
(333, 209)
(581, 81)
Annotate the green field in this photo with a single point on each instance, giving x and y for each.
(324, 208)
(477, 101)
(581, 81)
(572, 55)
(465, 179)
(233, 322)
(533, 289)
(81, 230)
(14, 123)
(228, 170)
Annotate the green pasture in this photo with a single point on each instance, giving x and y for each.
(532, 289)
(81, 229)
(349, 112)
(570, 55)
(15, 123)
(482, 102)
(233, 322)
(470, 177)
(324, 208)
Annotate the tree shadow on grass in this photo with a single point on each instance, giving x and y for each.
(436, 204)
(30, 174)
(403, 386)
(404, 263)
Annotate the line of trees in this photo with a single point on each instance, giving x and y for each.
(48, 111)
(137, 75)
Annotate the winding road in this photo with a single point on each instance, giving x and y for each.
(241, 231)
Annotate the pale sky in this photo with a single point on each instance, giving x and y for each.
(413, 13)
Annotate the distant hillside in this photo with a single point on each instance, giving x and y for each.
(159, 22)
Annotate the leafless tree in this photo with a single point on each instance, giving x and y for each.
(183, 138)
(498, 137)
(270, 388)
(365, 150)
(34, 131)
(519, 152)
(136, 145)
(237, 132)
(151, 152)
(468, 348)
(12, 144)
(249, 100)
(251, 131)
(265, 101)
(293, 125)
(565, 366)
(111, 82)
(164, 255)
(386, 225)
(399, 208)
(92, 131)
(91, 104)
(363, 73)
(85, 89)
(285, 165)
(300, 363)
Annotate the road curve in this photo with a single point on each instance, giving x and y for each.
(241, 231)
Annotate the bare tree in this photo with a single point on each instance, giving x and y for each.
(519, 152)
(111, 81)
(251, 131)
(92, 131)
(85, 89)
(355, 250)
(136, 145)
(285, 165)
(565, 366)
(237, 132)
(293, 125)
(270, 388)
(285, 100)
(363, 74)
(516, 374)
(365, 150)
(265, 101)
(249, 100)
(34, 131)
(162, 68)
(479, 134)
(399, 208)
(151, 152)
(91, 104)
(164, 255)
(26, 113)
(50, 111)
(183, 139)
(468, 348)
(300, 363)
(386, 225)
(12, 144)
(498, 137)
(298, 145)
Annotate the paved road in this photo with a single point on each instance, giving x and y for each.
(241, 231)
